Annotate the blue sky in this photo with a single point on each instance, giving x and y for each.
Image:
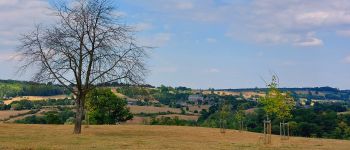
(219, 43)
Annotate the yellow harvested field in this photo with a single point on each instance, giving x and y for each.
(251, 110)
(35, 98)
(182, 117)
(152, 109)
(138, 120)
(114, 90)
(15, 136)
(198, 108)
(245, 94)
(39, 113)
(5, 114)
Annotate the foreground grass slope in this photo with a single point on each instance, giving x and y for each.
(14, 136)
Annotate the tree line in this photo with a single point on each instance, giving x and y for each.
(12, 88)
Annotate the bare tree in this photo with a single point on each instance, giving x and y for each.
(85, 47)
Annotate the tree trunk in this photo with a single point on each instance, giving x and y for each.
(79, 114)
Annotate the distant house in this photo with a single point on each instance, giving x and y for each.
(6, 97)
(180, 103)
(196, 98)
(132, 102)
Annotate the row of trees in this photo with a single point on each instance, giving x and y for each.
(26, 104)
(274, 103)
(165, 95)
(16, 88)
(103, 107)
(51, 117)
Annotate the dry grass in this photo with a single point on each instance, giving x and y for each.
(145, 120)
(39, 113)
(13, 136)
(344, 113)
(198, 108)
(182, 117)
(35, 98)
(245, 94)
(138, 120)
(152, 109)
(8, 113)
(251, 110)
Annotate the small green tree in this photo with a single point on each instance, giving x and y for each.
(104, 107)
(270, 104)
(239, 117)
(224, 113)
(286, 105)
(272, 99)
(278, 103)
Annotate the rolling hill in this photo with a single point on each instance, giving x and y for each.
(15, 136)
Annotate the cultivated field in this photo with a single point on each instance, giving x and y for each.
(182, 117)
(5, 114)
(138, 120)
(15, 136)
(35, 98)
(19, 117)
(152, 109)
(198, 108)
(245, 94)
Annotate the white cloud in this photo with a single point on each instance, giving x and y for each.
(260, 54)
(263, 21)
(156, 40)
(119, 14)
(310, 42)
(184, 5)
(347, 59)
(165, 69)
(18, 17)
(8, 42)
(213, 70)
(288, 63)
(313, 18)
(269, 37)
(211, 40)
(8, 56)
(143, 26)
(345, 33)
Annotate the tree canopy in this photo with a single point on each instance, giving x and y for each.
(104, 107)
(276, 102)
(86, 47)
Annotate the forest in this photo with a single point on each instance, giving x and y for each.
(13, 88)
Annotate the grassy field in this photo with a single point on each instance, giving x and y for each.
(152, 109)
(13, 136)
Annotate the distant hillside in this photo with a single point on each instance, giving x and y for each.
(319, 89)
(318, 93)
(13, 88)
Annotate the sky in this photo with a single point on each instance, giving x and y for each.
(217, 43)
